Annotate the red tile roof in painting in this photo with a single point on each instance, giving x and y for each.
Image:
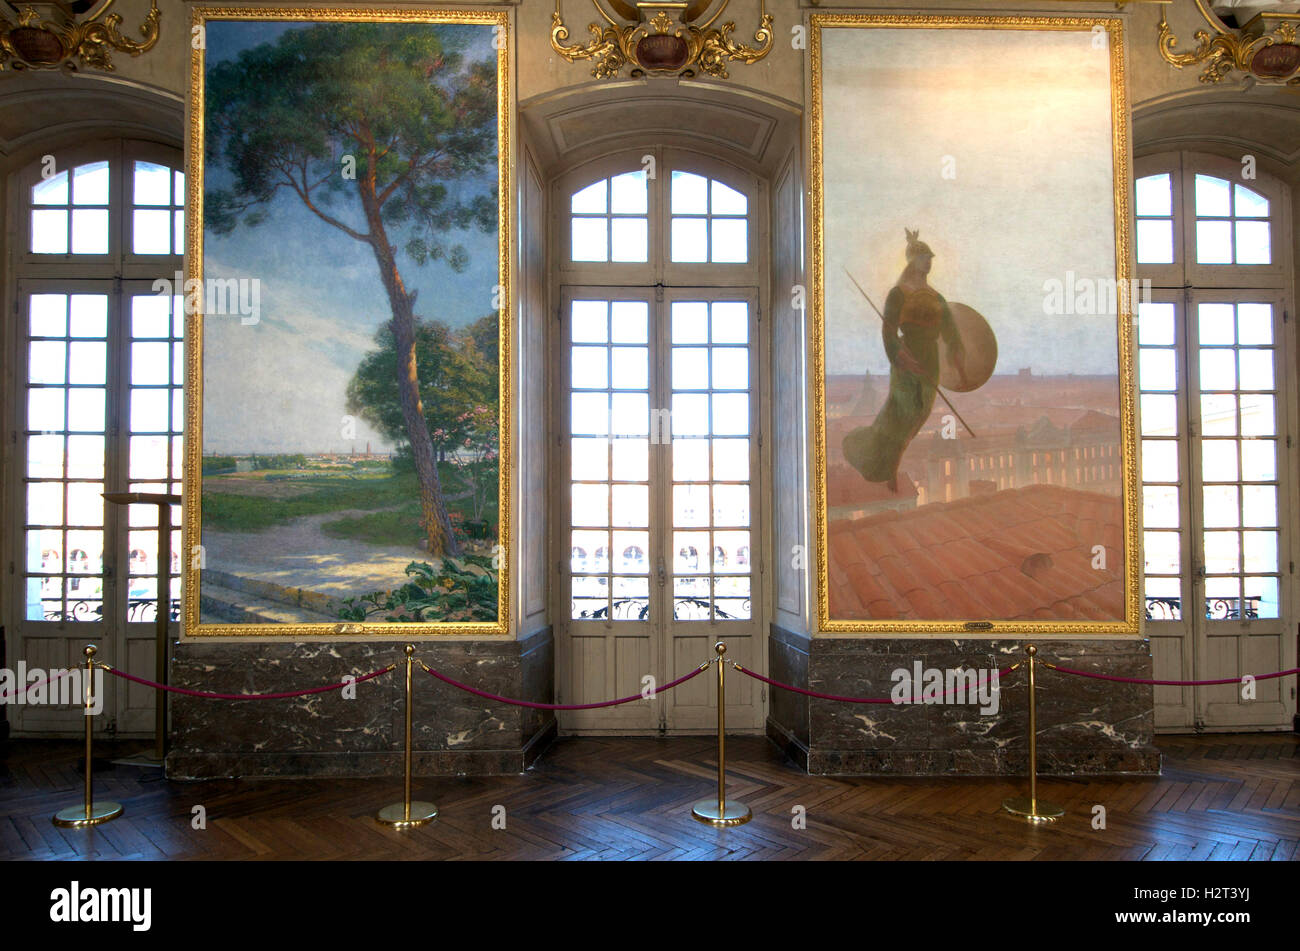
(1016, 555)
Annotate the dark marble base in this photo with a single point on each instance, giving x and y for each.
(1085, 727)
(453, 732)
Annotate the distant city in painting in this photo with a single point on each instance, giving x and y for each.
(972, 434)
(351, 426)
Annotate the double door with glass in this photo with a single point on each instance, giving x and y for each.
(658, 488)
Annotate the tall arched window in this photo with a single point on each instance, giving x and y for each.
(658, 356)
(1216, 369)
(96, 404)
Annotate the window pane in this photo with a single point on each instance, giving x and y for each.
(631, 240)
(690, 370)
(1155, 241)
(731, 459)
(631, 321)
(1160, 506)
(1260, 550)
(1219, 415)
(49, 232)
(628, 194)
(690, 415)
(590, 239)
(690, 460)
(690, 322)
(1255, 323)
(1214, 242)
(1156, 369)
(730, 240)
(730, 368)
(1261, 595)
(48, 314)
(690, 240)
(590, 367)
(1258, 460)
(1257, 416)
(631, 368)
(1219, 460)
(590, 200)
(1222, 554)
(153, 184)
(731, 414)
(1221, 506)
(1156, 324)
(46, 361)
(1253, 243)
(730, 322)
(151, 232)
(1159, 460)
(690, 194)
(1216, 323)
(1249, 203)
(589, 458)
(631, 459)
(90, 231)
(1159, 415)
(89, 315)
(90, 184)
(1259, 505)
(1218, 370)
(51, 191)
(1256, 369)
(728, 201)
(589, 321)
(1154, 195)
(1211, 197)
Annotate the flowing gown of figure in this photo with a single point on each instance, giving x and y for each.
(922, 316)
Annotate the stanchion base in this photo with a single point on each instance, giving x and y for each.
(396, 814)
(1021, 806)
(732, 813)
(75, 816)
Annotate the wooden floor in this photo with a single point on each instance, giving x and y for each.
(1221, 797)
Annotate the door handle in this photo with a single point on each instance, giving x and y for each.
(662, 572)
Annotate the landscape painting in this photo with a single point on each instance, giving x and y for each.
(974, 429)
(348, 280)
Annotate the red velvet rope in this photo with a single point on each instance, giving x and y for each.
(245, 696)
(557, 706)
(1170, 683)
(39, 683)
(831, 696)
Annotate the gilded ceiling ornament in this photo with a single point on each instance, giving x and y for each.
(53, 34)
(1265, 48)
(661, 37)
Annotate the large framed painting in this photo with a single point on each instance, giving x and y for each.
(973, 369)
(347, 299)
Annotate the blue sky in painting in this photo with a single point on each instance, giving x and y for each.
(280, 385)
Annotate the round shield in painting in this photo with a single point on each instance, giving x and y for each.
(980, 344)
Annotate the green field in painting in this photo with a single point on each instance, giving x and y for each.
(262, 500)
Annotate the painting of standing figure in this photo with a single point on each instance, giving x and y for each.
(346, 434)
(974, 442)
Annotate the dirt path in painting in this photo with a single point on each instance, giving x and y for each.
(300, 555)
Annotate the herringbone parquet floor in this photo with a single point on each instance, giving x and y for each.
(1221, 797)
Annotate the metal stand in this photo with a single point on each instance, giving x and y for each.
(163, 608)
(89, 813)
(719, 812)
(1033, 809)
(405, 814)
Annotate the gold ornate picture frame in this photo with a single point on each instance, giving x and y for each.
(348, 300)
(974, 463)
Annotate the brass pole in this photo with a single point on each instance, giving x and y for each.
(721, 813)
(1031, 808)
(406, 814)
(88, 813)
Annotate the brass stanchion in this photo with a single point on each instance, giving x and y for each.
(89, 813)
(719, 812)
(405, 814)
(1033, 809)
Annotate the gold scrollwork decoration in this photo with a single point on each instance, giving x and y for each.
(54, 43)
(656, 43)
(1224, 51)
